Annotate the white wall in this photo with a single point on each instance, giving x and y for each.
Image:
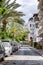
(32, 30)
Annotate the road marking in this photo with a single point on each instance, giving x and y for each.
(24, 57)
(25, 49)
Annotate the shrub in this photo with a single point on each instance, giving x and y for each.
(35, 44)
(39, 46)
(26, 42)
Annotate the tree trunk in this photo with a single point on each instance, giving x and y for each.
(4, 22)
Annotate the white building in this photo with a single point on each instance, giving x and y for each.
(31, 26)
(36, 21)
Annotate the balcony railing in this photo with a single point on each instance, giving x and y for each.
(40, 6)
(39, 27)
(41, 41)
(40, 13)
(41, 32)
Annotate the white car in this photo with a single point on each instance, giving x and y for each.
(8, 48)
(1, 53)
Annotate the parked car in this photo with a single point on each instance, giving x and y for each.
(1, 53)
(21, 43)
(8, 48)
(15, 45)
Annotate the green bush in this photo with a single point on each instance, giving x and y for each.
(26, 42)
(35, 44)
(39, 46)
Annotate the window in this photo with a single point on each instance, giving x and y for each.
(32, 33)
(30, 25)
(33, 25)
(30, 38)
(36, 25)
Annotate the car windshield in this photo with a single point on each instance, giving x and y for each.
(6, 44)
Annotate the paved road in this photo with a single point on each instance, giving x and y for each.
(24, 56)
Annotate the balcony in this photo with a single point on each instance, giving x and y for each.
(36, 22)
(41, 32)
(40, 6)
(36, 19)
(41, 41)
(39, 27)
(40, 13)
(41, 24)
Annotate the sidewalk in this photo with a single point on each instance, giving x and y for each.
(40, 52)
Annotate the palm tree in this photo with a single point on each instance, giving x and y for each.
(7, 10)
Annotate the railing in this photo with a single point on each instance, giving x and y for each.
(40, 32)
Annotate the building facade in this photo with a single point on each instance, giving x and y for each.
(31, 26)
(36, 20)
(40, 7)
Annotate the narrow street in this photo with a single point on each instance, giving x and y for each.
(24, 56)
(21, 25)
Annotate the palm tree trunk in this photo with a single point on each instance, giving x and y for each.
(4, 22)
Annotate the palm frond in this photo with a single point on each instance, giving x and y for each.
(6, 3)
(13, 14)
(9, 10)
(16, 6)
(10, 5)
(19, 20)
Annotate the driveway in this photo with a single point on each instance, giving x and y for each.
(24, 56)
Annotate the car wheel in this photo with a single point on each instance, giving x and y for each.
(2, 59)
(11, 53)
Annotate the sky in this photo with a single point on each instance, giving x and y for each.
(28, 7)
